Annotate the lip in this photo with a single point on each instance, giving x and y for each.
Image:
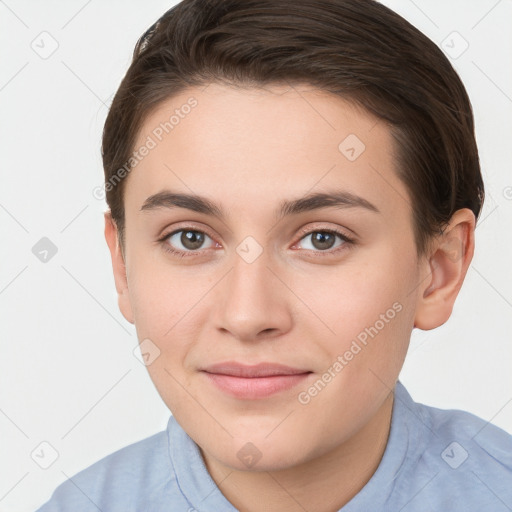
(254, 381)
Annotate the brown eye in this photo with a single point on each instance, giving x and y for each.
(186, 240)
(323, 240)
(192, 239)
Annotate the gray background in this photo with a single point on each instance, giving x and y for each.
(68, 375)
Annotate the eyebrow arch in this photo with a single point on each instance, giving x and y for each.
(315, 201)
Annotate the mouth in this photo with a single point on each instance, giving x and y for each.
(252, 382)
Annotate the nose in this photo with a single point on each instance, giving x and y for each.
(253, 303)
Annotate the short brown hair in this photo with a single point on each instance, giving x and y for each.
(359, 50)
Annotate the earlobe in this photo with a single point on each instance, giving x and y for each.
(446, 268)
(118, 267)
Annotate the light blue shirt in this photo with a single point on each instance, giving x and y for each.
(435, 461)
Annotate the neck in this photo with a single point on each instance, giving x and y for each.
(323, 484)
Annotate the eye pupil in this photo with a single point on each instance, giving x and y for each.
(192, 239)
(323, 239)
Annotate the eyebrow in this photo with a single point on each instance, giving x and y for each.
(339, 199)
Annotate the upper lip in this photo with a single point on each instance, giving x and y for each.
(259, 370)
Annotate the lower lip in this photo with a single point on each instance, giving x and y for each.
(255, 387)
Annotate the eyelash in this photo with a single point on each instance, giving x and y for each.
(185, 254)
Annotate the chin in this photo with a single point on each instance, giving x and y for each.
(260, 455)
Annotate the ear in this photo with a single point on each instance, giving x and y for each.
(446, 267)
(118, 265)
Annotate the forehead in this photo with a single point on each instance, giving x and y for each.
(256, 144)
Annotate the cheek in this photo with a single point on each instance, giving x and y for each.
(371, 304)
(163, 300)
(160, 297)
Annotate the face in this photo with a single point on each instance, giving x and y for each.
(258, 274)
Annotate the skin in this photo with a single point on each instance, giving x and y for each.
(247, 150)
